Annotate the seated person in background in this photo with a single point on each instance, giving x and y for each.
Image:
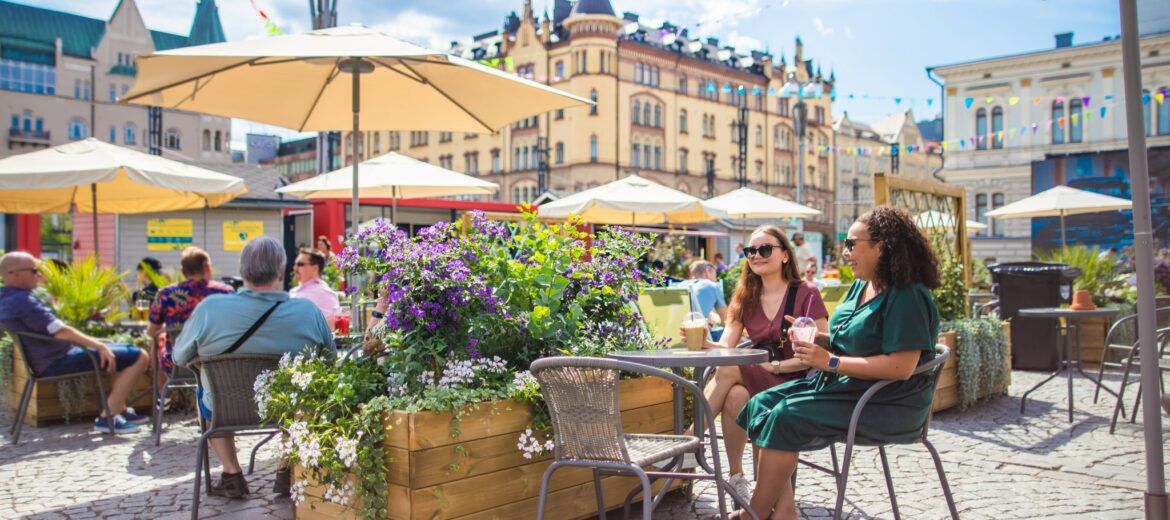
(810, 273)
(216, 326)
(769, 289)
(307, 268)
(21, 311)
(176, 302)
(719, 265)
(147, 290)
(706, 293)
(886, 327)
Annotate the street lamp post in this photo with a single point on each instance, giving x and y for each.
(800, 122)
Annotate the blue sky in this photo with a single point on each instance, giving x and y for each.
(876, 47)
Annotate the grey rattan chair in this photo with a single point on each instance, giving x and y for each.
(180, 378)
(32, 379)
(582, 397)
(230, 379)
(854, 438)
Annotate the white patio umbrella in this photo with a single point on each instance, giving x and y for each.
(393, 176)
(1058, 202)
(746, 203)
(314, 82)
(119, 180)
(936, 219)
(633, 201)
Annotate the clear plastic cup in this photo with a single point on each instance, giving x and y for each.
(695, 330)
(804, 329)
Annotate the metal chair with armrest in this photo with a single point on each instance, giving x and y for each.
(32, 379)
(180, 378)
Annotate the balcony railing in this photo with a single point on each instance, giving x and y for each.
(31, 136)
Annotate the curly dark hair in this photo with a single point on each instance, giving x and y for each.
(907, 257)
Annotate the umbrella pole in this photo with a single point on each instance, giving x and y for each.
(357, 67)
(1156, 504)
(394, 205)
(93, 200)
(1063, 244)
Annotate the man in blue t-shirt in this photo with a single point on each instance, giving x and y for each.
(22, 311)
(706, 292)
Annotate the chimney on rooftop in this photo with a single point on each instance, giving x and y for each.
(1064, 40)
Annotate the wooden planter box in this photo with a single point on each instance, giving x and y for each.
(479, 474)
(1092, 331)
(45, 408)
(946, 394)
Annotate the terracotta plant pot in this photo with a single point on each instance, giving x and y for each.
(1082, 301)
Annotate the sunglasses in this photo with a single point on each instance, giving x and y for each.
(34, 270)
(850, 242)
(301, 264)
(764, 251)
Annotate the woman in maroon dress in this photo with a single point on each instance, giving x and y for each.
(758, 308)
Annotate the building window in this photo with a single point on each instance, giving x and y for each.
(782, 106)
(78, 129)
(638, 72)
(559, 151)
(172, 140)
(593, 148)
(657, 116)
(996, 225)
(646, 114)
(682, 84)
(113, 134)
(524, 154)
(1058, 121)
(395, 140)
(113, 92)
(207, 140)
(759, 171)
(1075, 122)
(997, 127)
(445, 137)
(129, 134)
(560, 114)
(646, 156)
(682, 160)
(495, 160)
(636, 155)
(759, 135)
(218, 142)
(636, 113)
(593, 98)
(377, 142)
(22, 76)
(682, 121)
(658, 158)
(981, 136)
(559, 67)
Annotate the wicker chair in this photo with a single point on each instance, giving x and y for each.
(855, 438)
(230, 379)
(582, 397)
(18, 345)
(180, 377)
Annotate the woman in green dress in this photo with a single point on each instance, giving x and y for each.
(886, 326)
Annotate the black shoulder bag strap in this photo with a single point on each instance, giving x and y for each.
(789, 309)
(252, 330)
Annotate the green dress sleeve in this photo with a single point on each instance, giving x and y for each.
(910, 320)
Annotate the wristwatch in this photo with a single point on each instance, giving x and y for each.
(833, 362)
(377, 315)
(775, 365)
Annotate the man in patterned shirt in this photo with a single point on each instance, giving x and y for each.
(176, 302)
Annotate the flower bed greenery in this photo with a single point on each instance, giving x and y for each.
(469, 310)
(981, 348)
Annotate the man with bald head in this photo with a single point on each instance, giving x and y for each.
(22, 311)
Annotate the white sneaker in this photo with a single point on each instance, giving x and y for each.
(741, 485)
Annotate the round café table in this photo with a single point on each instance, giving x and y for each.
(1068, 327)
(676, 359)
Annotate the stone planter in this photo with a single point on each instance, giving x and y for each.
(45, 408)
(479, 473)
(946, 393)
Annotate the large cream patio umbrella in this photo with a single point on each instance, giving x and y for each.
(745, 203)
(325, 80)
(633, 201)
(1058, 202)
(393, 176)
(97, 177)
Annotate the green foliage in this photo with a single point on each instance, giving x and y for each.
(672, 251)
(85, 291)
(981, 351)
(845, 273)
(951, 296)
(730, 279)
(1103, 276)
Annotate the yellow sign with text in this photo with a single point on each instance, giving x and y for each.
(169, 234)
(236, 233)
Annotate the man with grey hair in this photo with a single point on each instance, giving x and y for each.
(219, 323)
(706, 292)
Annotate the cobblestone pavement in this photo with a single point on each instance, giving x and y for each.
(1001, 465)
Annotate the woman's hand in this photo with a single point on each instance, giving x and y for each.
(707, 343)
(811, 355)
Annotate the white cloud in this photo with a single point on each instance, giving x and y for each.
(744, 44)
(848, 32)
(421, 28)
(821, 27)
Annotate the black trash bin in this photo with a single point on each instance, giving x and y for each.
(1022, 285)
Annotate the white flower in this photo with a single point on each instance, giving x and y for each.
(531, 446)
(302, 379)
(298, 491)
(346, 450)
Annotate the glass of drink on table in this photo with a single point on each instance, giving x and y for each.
(142, 305)
(695, 330)
(804, 329)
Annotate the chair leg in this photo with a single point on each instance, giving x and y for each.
(889, 481)
(25, 396)
(252, 459)
(544, 490)
(104, 403)
(833, 455)
(597, 491)
(842, 480)
(160, 398)
(648, 495)
(200, 461)
(1119, 407)
(1101, 373)
(942, 478)
(1137, 401)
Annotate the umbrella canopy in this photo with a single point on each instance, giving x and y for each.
(392, 175)
(303, 81)
(746, 203)
(96, 177)
(632, 201)
(937, 219)
(1058, 202)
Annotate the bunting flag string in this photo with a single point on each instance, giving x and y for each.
(270, 27)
